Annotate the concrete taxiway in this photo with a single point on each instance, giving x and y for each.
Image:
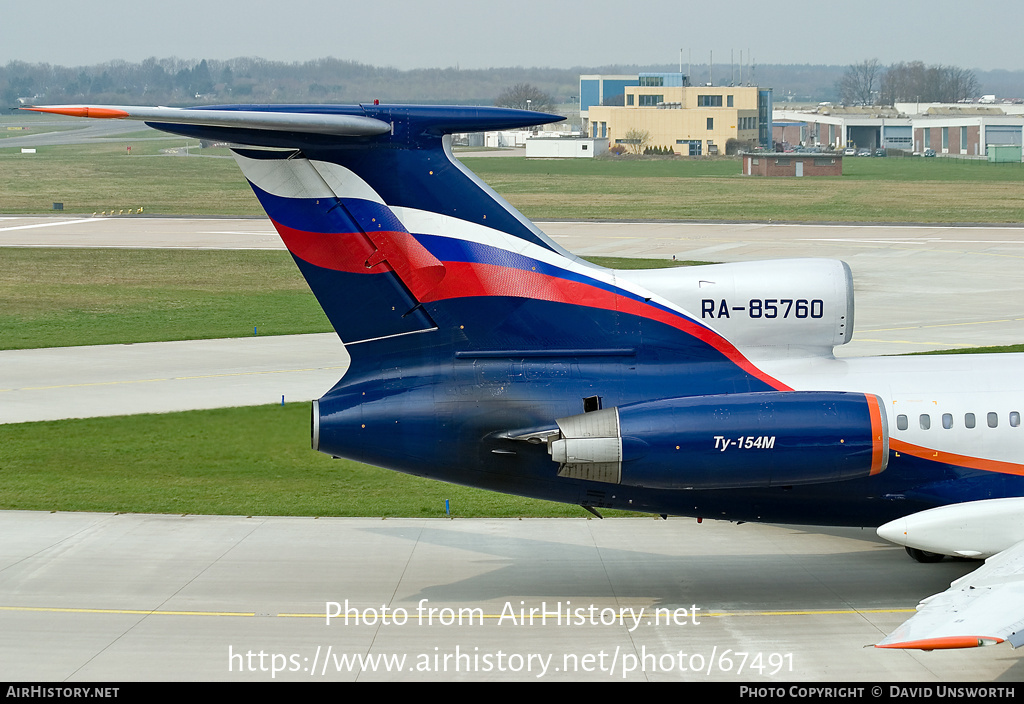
(93, 597)
(159, 377)
(98, 597)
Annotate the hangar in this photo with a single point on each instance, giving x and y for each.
(964, 130)
(967, 131)
(838, 126)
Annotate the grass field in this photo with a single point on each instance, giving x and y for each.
(871, 190)
(97, 177)
(232, 461)
(69, 297)
(1001, 349)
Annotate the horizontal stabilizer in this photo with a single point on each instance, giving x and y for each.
(316, 123)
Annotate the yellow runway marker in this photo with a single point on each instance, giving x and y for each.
(490, 617)
(946, 325)
(710, 614)
(128, 612)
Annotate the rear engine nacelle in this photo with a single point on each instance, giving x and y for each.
(751, 440)
(792, 305)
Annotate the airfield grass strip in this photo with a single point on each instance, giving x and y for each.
(97, 177)
(232, 461)
(68, 297)
(93, 178)
(998, 349)
(882, 190)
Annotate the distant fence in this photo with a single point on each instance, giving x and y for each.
(964, 159)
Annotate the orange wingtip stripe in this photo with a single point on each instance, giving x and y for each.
(83, 112)
(945, 643)
(955, 459)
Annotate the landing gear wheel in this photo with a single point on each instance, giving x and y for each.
(924, 556)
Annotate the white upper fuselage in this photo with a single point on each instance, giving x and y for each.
(932, 386)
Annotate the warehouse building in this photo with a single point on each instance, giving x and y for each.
(964, 130)
(862, 127)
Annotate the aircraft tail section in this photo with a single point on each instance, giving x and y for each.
(397, 238)
(370, 219)
(368, 272)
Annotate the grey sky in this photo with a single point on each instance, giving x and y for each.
(471, 34)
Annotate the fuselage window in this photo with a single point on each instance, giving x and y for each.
(901, 422)
(926, 421)
(1014, 419)
(993, 420)
(947, 420)
(969, 420)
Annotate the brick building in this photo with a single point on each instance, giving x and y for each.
(795, 164)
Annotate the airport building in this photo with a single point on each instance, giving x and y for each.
(556, 147)
(664, 110)
(840, 127)
(966, 130)
(962, 130)
(797, 165)
(596, 90)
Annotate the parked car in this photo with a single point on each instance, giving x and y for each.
(864, 152)
(929, 152)
(849, 151)
(879, 152)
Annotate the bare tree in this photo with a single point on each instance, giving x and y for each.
(906, 82)
(524, 96)
(859, 83)
(637, 140)
(960, 84)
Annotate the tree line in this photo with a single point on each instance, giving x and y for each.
(868, 83)
(174, 81)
